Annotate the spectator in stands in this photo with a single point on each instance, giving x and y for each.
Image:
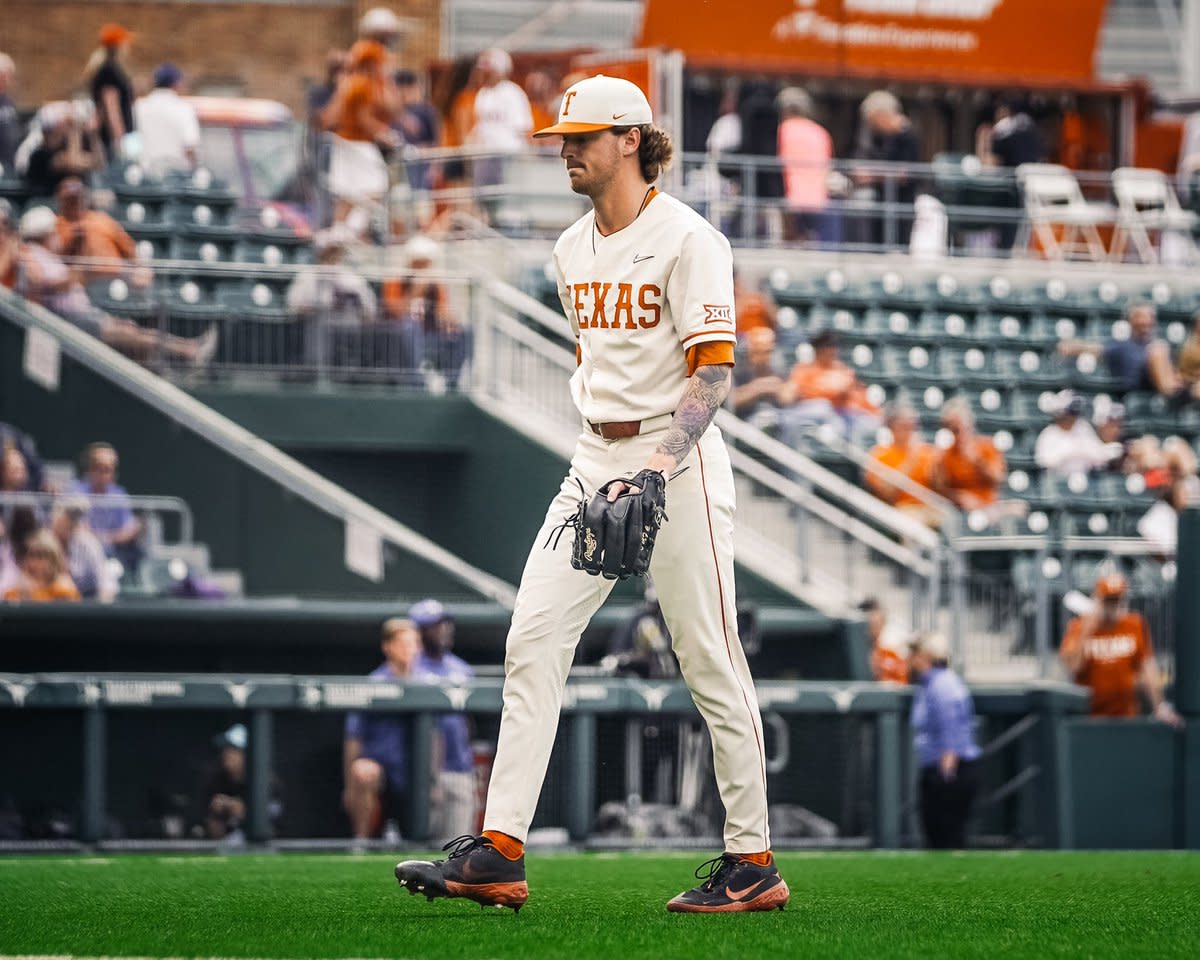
(970, 471)
(10, 120)
(829, 384)
(1110, 428)
(93, 235)
(330, 290)
(14, 479)
(421, 305)
(167, 124)
(1012, 139)
(1189, 360)
(10, 436)
(943, 724)
(69, 147)
(754, 306)
(112, 90)
(377, 745)
(86, 560)
(454, 801)
(112, 520)
(1159, 526)
(381, 25)
(44, 577)
(1069, 445)
(1108, 650)
(1140, 362)
(10, 246)
(722, 180)
(417, 121)
(886, 135)
(806, 152)
(543, 98)
(320, 94)
(759, 386)
(47, 280)
(759, 115)
(502, 119)
(16, 528)
(360, 118)
(910, 455)
(888, 665)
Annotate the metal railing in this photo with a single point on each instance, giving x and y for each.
(154, 508)
(367, 528)
(868, 205)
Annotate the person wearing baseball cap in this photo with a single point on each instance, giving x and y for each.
(1069, 444)
(1108, 650)
(167, 124)
(943, 724)
(111, 88)
(453, 803)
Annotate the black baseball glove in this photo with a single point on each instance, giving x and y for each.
(616, 539)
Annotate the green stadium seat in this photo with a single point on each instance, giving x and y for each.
(122, 299)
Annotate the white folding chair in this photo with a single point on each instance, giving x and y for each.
(1053, 204)
(1146, 203)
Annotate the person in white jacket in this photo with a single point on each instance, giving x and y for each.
(1069, 444)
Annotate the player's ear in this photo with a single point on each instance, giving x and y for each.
(631, 140)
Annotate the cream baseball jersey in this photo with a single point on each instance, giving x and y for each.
(637, 301)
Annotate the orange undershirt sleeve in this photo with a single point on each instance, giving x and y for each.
(709, 355)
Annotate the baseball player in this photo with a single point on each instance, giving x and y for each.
(647, 286)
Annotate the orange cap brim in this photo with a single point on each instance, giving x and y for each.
(559, 129)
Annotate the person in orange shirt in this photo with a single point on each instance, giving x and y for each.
(754, 308)
(888, 665)
(909, 455)
(829, 384)
(970, 471)
(44, 576)
(543, 103)
(360, 118)
(1108, 650)
(93, 236)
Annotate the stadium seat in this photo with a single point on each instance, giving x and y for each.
(1057, 216)
(1146, 204)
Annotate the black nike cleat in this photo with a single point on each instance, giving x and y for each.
(733, 885)
(475, 870)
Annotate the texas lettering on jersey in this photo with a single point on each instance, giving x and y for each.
(615, 306)
(1110, 648)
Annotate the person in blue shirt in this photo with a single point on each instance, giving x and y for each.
(112, 520)
(1140, 362)
(454, 804)
(943, 721)
(376, 748)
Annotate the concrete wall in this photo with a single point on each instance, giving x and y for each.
(266, 48)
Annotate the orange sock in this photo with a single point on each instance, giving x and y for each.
(762, 859)
(510, 848)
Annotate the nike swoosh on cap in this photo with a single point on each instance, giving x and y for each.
(618, 116)
(639, 259)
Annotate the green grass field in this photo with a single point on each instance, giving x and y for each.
(604, 905)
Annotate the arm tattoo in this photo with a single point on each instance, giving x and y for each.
(706, 390)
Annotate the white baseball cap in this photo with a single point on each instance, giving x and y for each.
(600, 103)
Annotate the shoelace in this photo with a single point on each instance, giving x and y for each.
(461, 846)
(713, 871)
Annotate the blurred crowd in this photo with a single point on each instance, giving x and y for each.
(64, 541)
(823, 395)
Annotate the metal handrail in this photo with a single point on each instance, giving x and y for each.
(148, 504)
(251, 450)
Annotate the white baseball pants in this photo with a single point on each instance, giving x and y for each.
(692, 567)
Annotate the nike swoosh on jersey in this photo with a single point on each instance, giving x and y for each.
(648, 256)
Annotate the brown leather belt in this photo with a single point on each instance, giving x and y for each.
(617, 430)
